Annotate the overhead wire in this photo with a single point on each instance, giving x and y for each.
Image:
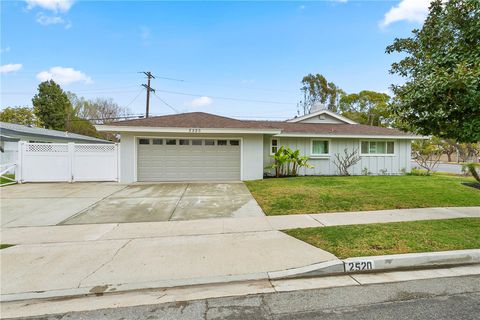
(164, 102)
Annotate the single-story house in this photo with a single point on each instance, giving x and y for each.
(11, 134)
(202, 146)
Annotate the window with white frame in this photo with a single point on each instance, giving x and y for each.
(273, 146)
(320, 148)
(377, 147)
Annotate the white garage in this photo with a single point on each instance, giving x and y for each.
(188, 159)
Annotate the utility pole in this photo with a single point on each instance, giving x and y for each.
(147, 86)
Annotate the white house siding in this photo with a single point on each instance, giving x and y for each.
(252, 151)
(393, 164)
(127, 159)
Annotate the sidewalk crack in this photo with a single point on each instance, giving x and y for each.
(103, 264)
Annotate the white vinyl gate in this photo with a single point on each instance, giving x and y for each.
(48, 162)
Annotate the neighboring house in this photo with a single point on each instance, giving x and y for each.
(202, 146)
(11, 133)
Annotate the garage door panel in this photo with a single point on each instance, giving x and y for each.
(187, 162)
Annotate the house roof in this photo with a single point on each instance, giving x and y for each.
(203, 120)
(17, 132)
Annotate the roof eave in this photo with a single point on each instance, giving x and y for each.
(133, 129)
(350, 136)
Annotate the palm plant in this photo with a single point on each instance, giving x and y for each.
(286, 162)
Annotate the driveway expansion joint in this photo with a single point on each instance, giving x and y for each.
(178, 202)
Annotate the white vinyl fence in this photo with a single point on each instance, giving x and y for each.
(47, 162)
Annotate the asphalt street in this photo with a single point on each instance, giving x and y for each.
(443, 167)
(441, 298)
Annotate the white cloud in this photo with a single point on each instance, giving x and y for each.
(52, 5)
(63, 75)
(45, 20)
(409, 10)
(201, 102)
(12, 67)
(6, 49)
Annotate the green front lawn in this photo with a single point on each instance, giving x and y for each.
(393, 238)
(3, 180)
(278, 196)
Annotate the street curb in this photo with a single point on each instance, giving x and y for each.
(318, 269)
(416, 260)
(329, 268)
(382, 263)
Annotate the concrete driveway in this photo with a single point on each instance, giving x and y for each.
(46, 204)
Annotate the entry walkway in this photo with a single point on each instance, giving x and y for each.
(118, 231)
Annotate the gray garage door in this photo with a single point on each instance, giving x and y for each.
(165, 159)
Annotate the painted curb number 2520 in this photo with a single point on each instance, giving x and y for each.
(360, 266)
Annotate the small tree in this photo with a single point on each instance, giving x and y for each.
(349, 159)
(449, 147)
(427, 153)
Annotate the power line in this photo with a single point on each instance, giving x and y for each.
(164, 102)
(225, 98)
(139, 92)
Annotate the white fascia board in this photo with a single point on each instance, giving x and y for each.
(353, 136)
(107, 128)
(315, 114)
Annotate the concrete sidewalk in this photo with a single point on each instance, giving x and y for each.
(85, 267)
(84, 259)
(92, 232)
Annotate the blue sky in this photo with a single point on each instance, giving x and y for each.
(242, 50)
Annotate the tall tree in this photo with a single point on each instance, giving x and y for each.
(316, 89)
(441, 95)
(19, 115)
(367, 107)
(52, 106)
(100, 110)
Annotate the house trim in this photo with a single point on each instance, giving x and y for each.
(352, 136)
(317, 113)
(186, 130)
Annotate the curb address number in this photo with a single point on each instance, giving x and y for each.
(359, 266)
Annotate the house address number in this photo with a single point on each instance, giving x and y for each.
(194, 130)
(359, 266)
